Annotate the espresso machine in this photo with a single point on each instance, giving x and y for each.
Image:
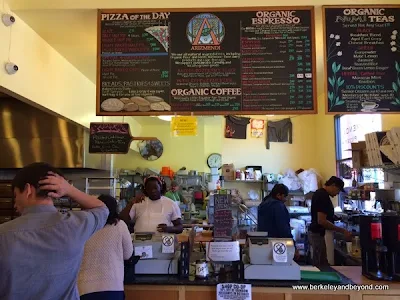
(374, 253)
(391, 238)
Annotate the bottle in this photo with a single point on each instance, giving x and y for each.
(222, 181)
(237, 176)
(242, 176)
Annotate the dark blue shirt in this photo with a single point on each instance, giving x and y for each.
(274, 218)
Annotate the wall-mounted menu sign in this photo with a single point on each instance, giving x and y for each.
(206, 62)
(362, 46)
(111, 138)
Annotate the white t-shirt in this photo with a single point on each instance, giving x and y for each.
(170, 209)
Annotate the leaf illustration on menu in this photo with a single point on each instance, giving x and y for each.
(330, 96)
(397, 65)
(395, 87)
(334, 67)
(340, 81)
(339, 66)
(340, 102)
(331, 81)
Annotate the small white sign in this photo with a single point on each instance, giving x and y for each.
(223, 251)
(308, 75)
(145, 252)
(233, 291)
(300, 75)
(168, 244)
(279, 252)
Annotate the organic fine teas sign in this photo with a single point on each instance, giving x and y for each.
(362, 46)
(184, 126)
(206, 62)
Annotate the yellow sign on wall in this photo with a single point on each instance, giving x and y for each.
(184, 126)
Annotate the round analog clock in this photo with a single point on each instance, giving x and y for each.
(214, 160)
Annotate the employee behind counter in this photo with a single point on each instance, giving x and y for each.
(153, 212)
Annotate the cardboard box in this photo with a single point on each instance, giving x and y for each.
(359, 155)
(228, 171)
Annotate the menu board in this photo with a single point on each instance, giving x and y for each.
(362, 55)
(109, 138)
(222, 216)
(201, 62)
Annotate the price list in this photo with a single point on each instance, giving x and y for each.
(277, 61)
(134, 59)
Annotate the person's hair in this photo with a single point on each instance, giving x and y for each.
(159, 180)
(32, 174)
(279, 189)
(111, 204)
(330, 182)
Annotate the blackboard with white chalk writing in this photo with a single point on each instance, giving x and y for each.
(206, 62)
(223, 220)
(110, 138)
(362, 55)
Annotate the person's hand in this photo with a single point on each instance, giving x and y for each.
(296, 254)
(348, 235)
(138, 199)
(56, 184)
(162, 228)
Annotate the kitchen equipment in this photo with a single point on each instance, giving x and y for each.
(373, 251)
(391, 238)
(270, 258)
(356, 247)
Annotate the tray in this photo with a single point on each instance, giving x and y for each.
(330, 277)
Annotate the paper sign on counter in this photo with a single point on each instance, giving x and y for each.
(145, 252)
(168, 244)
(223, 251)
(233, 291)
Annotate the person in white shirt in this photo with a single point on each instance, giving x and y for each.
(101, 275)
(154, 212)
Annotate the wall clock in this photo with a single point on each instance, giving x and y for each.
(214, 160)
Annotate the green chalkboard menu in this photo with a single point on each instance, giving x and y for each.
(247, 61)
(362, 55)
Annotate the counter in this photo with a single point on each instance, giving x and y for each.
(172, 288)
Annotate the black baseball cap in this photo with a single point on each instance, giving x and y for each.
(336, 181)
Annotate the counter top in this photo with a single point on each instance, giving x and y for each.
(174, 280)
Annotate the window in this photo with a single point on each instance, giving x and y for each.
(352, 129)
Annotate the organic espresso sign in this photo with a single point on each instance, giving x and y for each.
(362, 47)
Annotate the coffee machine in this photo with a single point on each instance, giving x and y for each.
(391, 238)
(374, 253)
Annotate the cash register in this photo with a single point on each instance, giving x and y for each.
(159, 253)
(269, 258)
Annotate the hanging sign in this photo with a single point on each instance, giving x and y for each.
(257, 128)
(184, 126)
(111, 138)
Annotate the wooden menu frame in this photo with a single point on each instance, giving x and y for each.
(200, 113)
(327, 112)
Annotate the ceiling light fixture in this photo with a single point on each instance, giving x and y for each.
(165, 118)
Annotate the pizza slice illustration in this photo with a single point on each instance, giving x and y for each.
(161, 34)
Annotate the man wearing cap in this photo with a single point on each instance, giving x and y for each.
(322, 219)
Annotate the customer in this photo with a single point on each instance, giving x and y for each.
(101, 276)
(174, 194)
(41, 251)
(273, 216)
(322, 219)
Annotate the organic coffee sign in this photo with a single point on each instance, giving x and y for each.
(362, 46)
(219, 62)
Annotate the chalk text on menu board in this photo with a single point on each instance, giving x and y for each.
(363, 61)
(212, 62)
(109, 138)
(222, 216)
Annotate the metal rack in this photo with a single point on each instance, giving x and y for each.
(101, 185)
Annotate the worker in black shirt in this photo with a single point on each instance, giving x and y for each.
(322, 218)
(273, 216)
